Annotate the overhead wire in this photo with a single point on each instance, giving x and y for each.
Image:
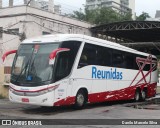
(41, 26)
(29, 2)
(56, 21)
(66, 9)
(12, 25)
(9, 40)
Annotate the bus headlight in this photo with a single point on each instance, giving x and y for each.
(43, 92)
(53, 88)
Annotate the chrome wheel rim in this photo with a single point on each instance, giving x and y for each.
(137, 96)
(143, 95)
(80, 99)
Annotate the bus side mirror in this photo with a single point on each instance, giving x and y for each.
(8, 53)
(54, 53)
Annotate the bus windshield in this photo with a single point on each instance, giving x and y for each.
(31, 65)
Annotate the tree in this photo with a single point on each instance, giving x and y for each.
(127, 17)
(106, 15)
(78, 15)
(101, 16)
(91, 15)
(143, 16)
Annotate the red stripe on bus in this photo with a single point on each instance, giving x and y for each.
(122, 94)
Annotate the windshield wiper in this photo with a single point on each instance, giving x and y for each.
(25, 67)
(32, 67)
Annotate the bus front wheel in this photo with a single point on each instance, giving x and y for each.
(80, 99)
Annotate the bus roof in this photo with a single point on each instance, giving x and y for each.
(79, 37)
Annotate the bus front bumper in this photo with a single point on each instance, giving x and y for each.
(46, 99)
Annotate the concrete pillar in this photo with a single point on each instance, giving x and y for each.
(51, 5)
(0, 3)
(10, 3)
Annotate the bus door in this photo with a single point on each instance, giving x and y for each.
(63, 68)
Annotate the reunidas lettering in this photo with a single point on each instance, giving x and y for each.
(110, 74)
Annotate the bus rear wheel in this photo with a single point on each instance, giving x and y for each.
(143, 95)
(137, 95)
(80, 99)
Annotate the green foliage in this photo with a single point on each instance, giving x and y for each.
(101, 16)
(78, 15)
(106, 15)
(91, 15)
(127, 17)
(143, 16)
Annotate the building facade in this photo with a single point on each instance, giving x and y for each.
(47, 5)
(32, 22)
(120, 6)
(157, 17)
(157, 14)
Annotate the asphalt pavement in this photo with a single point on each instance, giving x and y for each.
(93, 113)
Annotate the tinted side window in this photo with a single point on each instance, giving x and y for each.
(65, 60)
(129, 60)
(135, 63)
(88, 56)
(104, 56)
(118, 59)
(146, 67)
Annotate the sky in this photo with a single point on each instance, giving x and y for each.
(68, 6)
(149, 6)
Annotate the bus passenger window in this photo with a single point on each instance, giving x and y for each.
(62, 66)
(118, 59)
(83, 61)
(104, 56)
(88, 56)
(65, 60)
(129, 59)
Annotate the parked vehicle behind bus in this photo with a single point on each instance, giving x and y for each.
(73, 69)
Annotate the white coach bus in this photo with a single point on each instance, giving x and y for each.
(73, 69)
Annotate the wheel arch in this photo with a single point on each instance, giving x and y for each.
(82, 88)
(138, 89)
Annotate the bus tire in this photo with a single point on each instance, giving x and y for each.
(143, 95)
(80, 100)
(137, 95)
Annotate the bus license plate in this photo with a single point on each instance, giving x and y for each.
(25, 100)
